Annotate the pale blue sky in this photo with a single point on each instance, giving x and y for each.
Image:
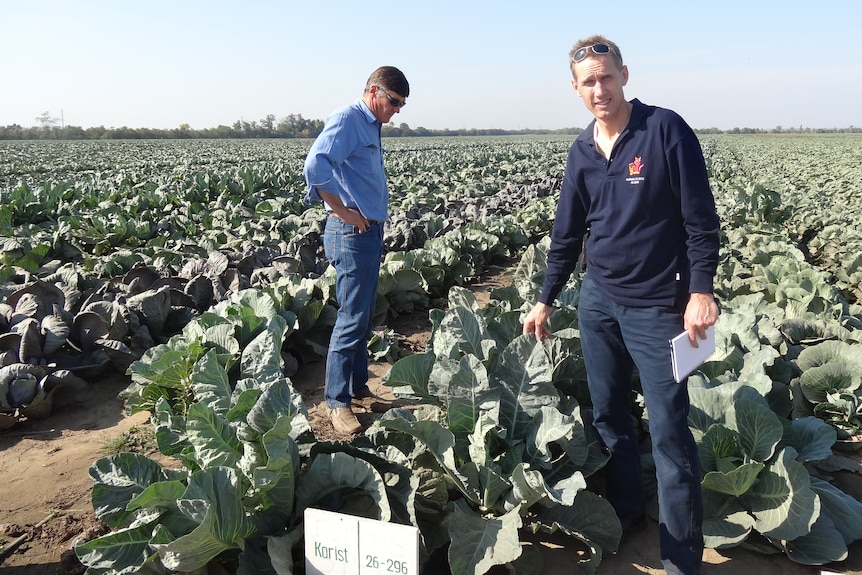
(483, 64)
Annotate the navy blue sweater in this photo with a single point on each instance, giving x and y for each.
(653, 228)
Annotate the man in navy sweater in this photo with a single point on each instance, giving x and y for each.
(636, 186)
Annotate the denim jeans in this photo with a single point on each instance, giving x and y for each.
(614, 339)
(356, 258)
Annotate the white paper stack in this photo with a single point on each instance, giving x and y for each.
(686, 358)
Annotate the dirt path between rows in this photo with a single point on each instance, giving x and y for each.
(45, 487)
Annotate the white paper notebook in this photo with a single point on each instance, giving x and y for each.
(687, 358)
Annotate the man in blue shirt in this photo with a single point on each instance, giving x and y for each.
(344, 169)
(636, 186)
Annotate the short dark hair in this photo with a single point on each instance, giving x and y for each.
(389, 78)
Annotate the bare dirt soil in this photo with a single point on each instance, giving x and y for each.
(45, 487)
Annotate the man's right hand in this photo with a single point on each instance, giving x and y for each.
(347, 215)
(353, 217)
(535, 322)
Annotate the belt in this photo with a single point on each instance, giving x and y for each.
(370, 222)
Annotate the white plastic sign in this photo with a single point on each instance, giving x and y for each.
(339, 544)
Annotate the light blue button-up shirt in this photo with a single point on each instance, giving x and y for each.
(346, 160)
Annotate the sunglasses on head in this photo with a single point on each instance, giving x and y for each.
(599, 48)
(395, 103)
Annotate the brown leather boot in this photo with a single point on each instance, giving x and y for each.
(344, 421)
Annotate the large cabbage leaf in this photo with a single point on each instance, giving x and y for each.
(758, 427)
(224, 524)
(782, 501)
(477, 543)
(117, 480)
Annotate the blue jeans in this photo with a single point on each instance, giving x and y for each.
(356, 259)
(614, 339)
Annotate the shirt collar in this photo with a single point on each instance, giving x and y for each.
(638, 109)
(369, 115)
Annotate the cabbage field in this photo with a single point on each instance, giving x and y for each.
(195, 267)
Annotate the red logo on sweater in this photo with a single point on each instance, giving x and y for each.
(635, 167)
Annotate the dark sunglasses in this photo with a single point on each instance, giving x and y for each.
(581, 53)
(395, 103)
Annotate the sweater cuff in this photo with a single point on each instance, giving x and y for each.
(700, 283)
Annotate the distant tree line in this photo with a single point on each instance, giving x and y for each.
(403, 130)
(292, 126)
(779, 130)
(295, 126)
